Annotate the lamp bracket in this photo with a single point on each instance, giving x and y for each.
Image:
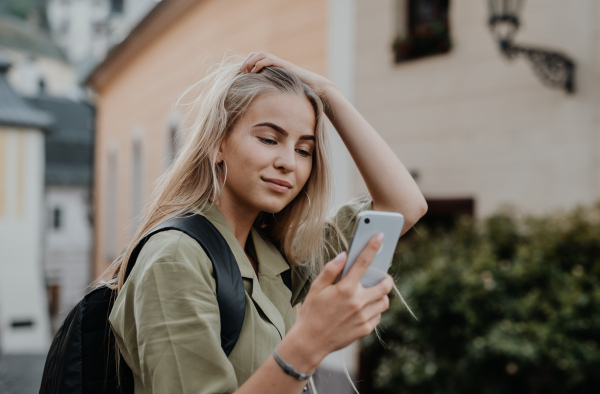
(552, 68)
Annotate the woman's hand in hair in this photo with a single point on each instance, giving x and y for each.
(334, 315)
(256, 61)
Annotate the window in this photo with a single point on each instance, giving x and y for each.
(111, 206)
(116, 6)
(56, 218)
(137, 184)
(443, 214)
(172, 145)
(53, 290)
(423, 29)
(173, 138)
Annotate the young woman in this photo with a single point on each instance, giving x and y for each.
(256, 165)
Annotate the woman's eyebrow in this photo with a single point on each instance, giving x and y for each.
(281, 131)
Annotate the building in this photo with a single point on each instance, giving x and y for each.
(87, 30)
(24, 324)
(67, 229)
(478, 130)
(42, 73)
(37, 60)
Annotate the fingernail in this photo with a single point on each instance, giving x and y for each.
(379, 237)
(340, 257)
(253, 68)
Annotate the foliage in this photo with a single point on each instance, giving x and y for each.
(507, 305)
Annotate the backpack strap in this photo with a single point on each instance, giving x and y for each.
(230, 289)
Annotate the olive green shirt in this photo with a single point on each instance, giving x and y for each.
(166, 317)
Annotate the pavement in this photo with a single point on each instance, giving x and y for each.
(21, 373)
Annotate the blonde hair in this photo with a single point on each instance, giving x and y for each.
(195, 179)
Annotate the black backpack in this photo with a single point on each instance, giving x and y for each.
(81, 358)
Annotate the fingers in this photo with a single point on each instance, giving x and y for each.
(248, 64)
(364, 259)
(257, 61)
(330, 272)
(381, 289)
(376, 307)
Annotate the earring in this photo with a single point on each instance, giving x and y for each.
(224, 180)
(289, 228)
(307, 196)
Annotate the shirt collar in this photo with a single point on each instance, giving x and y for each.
(270, 261)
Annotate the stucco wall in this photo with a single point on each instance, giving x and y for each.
(473, 124)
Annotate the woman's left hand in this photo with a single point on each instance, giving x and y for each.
(258, 60)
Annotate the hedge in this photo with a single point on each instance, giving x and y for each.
(505, 305)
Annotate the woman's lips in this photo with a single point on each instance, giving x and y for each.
(277, 185)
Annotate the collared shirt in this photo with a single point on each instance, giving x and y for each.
(166, 317)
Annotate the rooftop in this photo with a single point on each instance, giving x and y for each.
(14, 111)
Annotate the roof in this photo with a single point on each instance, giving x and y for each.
(14, 111)
(70, 142)
(24, 37)
(165, 13)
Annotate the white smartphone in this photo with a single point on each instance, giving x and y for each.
(369, 223)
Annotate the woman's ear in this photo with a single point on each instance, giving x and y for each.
(220, 154)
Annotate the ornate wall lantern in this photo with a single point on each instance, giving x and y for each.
(553, 68)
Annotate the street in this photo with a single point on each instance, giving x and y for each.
(21, 374)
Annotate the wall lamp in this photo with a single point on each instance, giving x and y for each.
(552, 68)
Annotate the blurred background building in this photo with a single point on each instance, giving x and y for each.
(24, 323)
(43, 80)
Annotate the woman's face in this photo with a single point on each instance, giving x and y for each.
(269, 153)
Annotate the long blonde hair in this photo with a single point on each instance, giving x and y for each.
(194, 179)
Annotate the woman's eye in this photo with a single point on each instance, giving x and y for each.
(303, 153)
(267, 141)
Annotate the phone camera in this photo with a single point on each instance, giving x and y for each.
(367, 220)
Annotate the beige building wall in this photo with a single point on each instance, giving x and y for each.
(473, 124)
(138, 87)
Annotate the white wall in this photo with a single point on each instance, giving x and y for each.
(22, 290)
(68, 248)
(474, 124)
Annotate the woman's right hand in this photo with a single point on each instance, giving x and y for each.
(335, 315)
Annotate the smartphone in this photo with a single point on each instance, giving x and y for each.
(369, 223)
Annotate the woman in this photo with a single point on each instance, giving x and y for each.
(256, 166)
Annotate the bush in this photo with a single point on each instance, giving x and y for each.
(504, 306)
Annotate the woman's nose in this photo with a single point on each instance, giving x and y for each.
(286, 160)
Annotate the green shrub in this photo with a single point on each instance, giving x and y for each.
(504, 306)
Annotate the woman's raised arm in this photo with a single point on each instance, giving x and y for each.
(390, 184)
